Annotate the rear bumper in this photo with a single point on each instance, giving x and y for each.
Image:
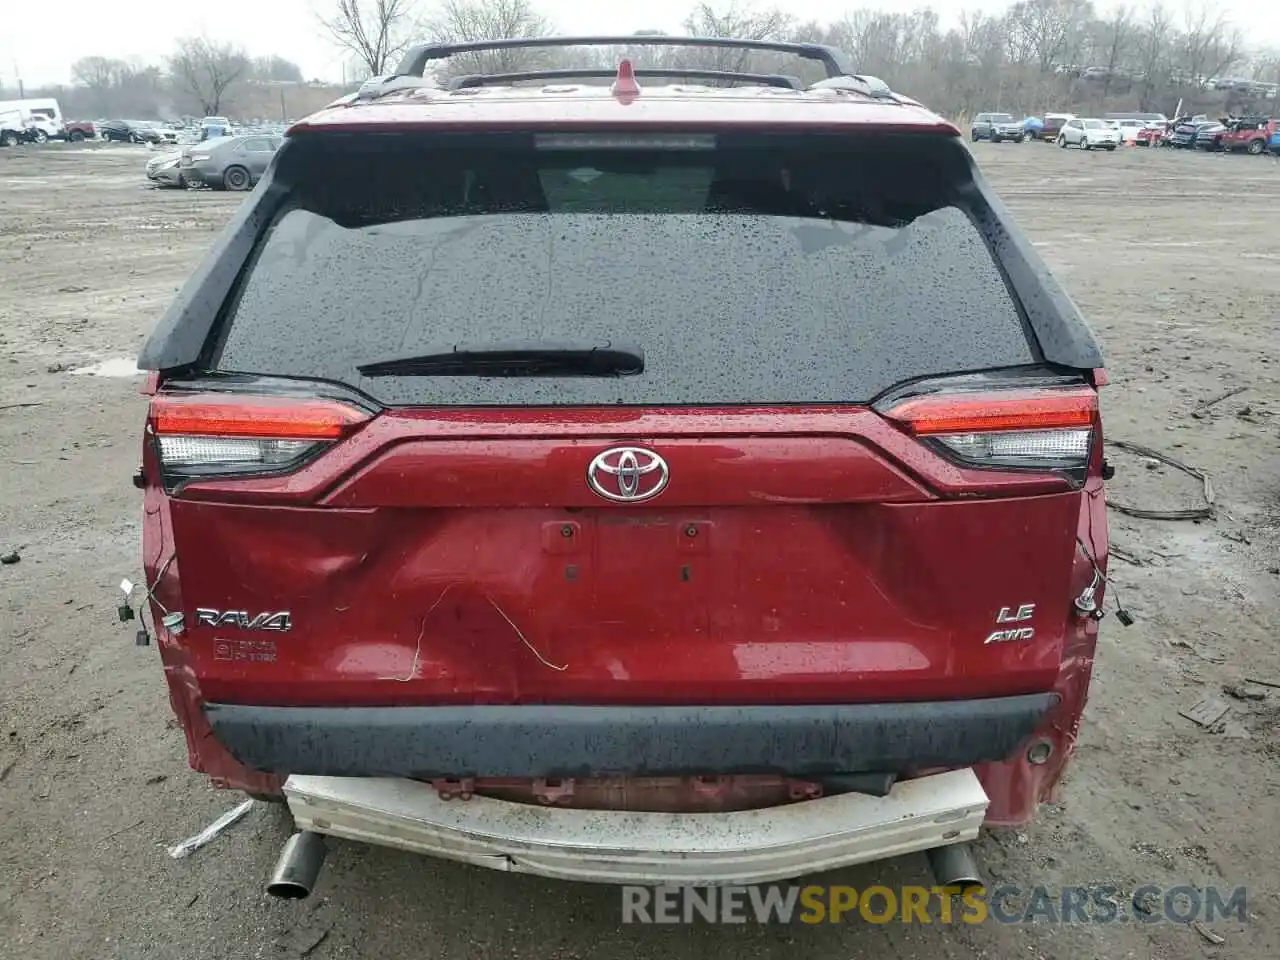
(698, 849)
(539, 741)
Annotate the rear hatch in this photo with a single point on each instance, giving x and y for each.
(598, 418)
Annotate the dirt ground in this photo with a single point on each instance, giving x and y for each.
(1174, 258)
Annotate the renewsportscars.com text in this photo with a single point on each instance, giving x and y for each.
(1007, 903)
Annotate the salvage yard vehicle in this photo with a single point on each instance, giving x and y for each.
(1053, 124)
(129, 131)
(1088, 134)
(1249, 135)
(165, 169)
(13, 128)
(1209, 136)
(996, 127)
(592, 507)
(1186, 132)
(78, 131)
(43, 117)
(229, 163)
(1152, 133)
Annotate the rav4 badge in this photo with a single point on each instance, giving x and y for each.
(279, 621)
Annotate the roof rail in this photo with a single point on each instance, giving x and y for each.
(835, 61)
(759, 79)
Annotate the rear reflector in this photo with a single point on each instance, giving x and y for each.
(1045, 428)
(211, 435)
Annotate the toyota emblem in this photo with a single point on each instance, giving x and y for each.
(628, 474)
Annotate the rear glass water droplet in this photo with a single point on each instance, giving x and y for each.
(830, 284)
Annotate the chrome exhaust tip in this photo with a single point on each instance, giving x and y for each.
(299, 865)
(955, 866)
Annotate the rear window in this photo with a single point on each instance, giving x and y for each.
(749, 271)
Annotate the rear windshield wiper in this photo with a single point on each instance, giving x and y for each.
(533, 358)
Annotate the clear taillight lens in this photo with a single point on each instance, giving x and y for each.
(197, 452)
(1021, 448)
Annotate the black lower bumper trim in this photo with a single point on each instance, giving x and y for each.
(563, 741)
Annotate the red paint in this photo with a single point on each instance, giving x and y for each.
(1242, 137)
(797, 555)
(625, 87)
(665, 108)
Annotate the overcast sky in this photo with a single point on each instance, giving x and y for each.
(39, 40)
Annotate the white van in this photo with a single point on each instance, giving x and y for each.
(42, 113)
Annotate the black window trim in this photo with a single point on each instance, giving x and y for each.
(1059, 333)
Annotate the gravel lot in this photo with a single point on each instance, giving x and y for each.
(1174, 257)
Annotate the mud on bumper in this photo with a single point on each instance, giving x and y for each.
(539, 741)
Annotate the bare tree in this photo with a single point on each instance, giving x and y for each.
(461, 21)
(1153, 55)
(1045, 27)
(706, 20)
(1210, 44)
(207, 70)
(1117, 35)
(97, 73)
(375, 31)
(275, 68)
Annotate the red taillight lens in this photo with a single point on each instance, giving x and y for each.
(1052, 408)
(209, 435)
(1038, 428)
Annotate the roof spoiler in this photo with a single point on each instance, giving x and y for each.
(840, 75)
(725, 76)
(836, 62)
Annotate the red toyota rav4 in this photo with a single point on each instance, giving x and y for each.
(639, 482)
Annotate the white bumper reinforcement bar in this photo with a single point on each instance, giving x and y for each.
(604, 846)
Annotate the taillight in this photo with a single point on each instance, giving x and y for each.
(1041, 428)
(208, 435)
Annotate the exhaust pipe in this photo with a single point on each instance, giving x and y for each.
(954, 866)
(299, 865)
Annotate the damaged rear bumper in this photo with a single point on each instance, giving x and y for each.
(537, 741)
(699, 849)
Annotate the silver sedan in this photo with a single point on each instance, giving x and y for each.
(165, 169)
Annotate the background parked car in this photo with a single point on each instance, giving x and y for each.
(1250, 135)
(211, 128)
(1088, 134)
(165, 169)
(1129, 128)
(1209, 136)
(78, 130)
(1184, 134)
(128, 131)
(1152, 134)
(13, 128)
(996, 127)
(42, 117)
(1053, 124)
(230, 163)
